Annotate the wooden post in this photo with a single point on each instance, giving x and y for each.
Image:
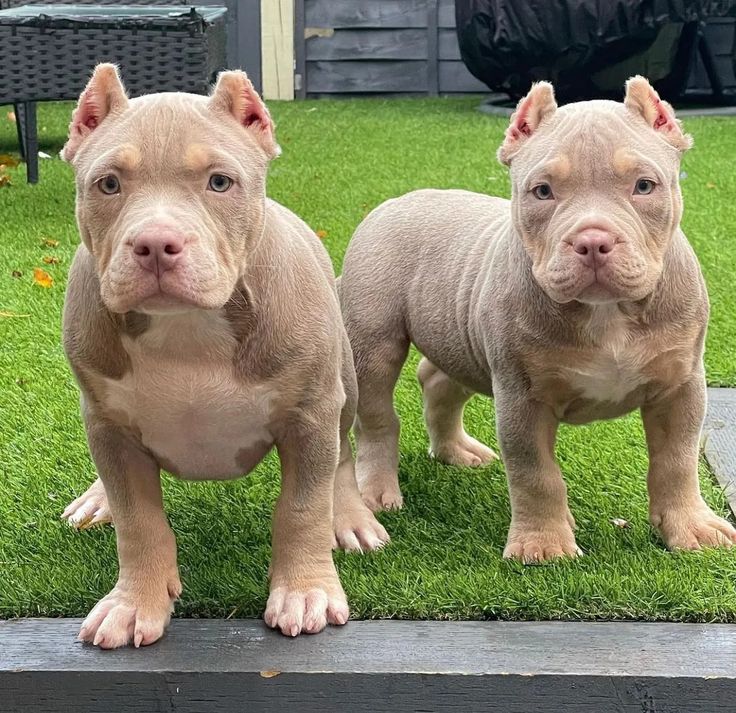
(277, 48)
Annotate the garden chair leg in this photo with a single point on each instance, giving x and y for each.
(28, 135)
(18, 109)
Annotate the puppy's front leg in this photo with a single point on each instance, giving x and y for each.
(306, 592)
(139, 607)
(676, 508)
(541, 523)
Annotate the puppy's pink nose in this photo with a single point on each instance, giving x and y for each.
(593, 246)
(158, 250)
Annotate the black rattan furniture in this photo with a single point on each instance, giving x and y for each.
(47, 53)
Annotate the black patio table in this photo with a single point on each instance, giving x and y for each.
(47, 53)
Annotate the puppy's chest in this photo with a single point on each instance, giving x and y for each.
(614, 375)
(182, 395)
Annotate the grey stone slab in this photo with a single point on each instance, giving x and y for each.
(719, 437)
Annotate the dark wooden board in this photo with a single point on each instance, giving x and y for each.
(366, 76)
(385, 14)
(454, 77)
(369, 44)
(501, 667)
(449, 48)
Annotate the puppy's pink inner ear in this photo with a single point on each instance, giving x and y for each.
(89, 113)
(664, 118)
(521, 126)
(253, 111)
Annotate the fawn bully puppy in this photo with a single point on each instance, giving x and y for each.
(203, 327)
(579, 299)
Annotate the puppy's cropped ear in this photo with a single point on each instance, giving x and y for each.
(642, 100)
(531, 111)
(103, 95)
(235, 95)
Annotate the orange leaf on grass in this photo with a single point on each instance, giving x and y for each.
(42, 278)
(11, 117)
(51, 259)
(321, 234)
(7, 160)
(49, 243)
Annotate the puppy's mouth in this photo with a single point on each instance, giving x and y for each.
(169, 292)
(599, 285)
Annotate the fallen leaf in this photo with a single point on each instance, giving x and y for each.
(7, 160)
(620, 522)
(11, 116)
(16, 273)
(710, 185)
(51, 259)
(321, 234)
(42, 278)
(49, 243)
(4, 180)
(13, 314)
(270, 674)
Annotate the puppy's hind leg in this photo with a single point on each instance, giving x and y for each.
(378, 366)
(444, 401)
(355, 526)
(89, 509)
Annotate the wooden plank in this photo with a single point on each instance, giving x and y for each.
(366, 76)
(447, 13)
(369, 44)
(433, 80)
(380, 14)
(497, 667)
(300, 62)
(455, 78)
(719, 436)
(277, 48)
(448, 46)
(248, 42)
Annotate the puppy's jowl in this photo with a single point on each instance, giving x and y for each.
(202, 324)
(579, 299)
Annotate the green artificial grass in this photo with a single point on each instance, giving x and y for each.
(340, 160)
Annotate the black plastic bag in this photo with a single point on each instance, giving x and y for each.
(508, 44)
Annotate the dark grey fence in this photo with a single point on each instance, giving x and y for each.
(382, 46)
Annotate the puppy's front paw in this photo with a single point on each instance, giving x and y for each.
(465, 451)
(357, 530)
(306, 607)
(534, 544)
(693, 528)
(125, 616)
(89, 509)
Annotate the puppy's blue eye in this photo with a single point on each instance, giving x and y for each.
(109, 185)
(644, 187)
(543, 192)
(220, 183)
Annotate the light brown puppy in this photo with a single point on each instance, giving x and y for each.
(203, 327)
(579, 299)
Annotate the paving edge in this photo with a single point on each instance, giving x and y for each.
(368, 666)
(719, 438)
